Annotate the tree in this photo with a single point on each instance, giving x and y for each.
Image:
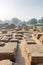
(32, 21)
(15, 21)
(7, 21)
(40, 20)
(1, 22)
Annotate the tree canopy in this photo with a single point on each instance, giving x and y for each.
(41, 20)
(15, 20)
(1, 22)
(32, 21)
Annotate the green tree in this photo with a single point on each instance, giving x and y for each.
(7, 21)
(15, 21)
(32, 21)
(1, 22)
(40, 20)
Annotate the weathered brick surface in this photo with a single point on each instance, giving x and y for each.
(5, 62)
(8, 51)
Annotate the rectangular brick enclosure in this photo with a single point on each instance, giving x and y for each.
(8, 51)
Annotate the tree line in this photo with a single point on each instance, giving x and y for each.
(17, 21)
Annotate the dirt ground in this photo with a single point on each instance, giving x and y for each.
(21, 55)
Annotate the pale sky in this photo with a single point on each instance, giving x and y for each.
(22, 9)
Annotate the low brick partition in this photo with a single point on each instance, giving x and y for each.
(37, 60)
(5, 38)
(6, 62)
(14, 40)
(8, 51)
(36, 52)
(2, 44)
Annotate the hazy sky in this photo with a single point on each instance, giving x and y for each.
(22, 9)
